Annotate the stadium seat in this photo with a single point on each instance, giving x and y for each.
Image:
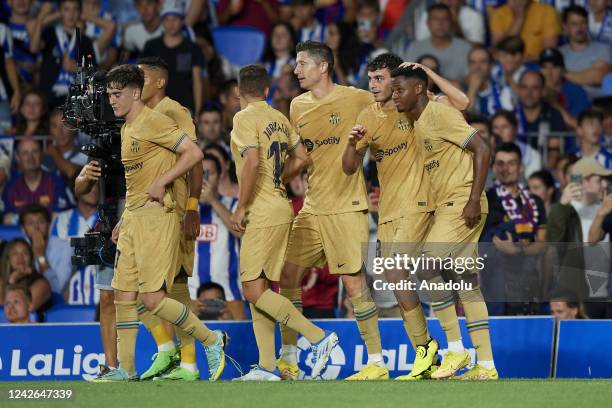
(240, 45)
(2, 316)
(8, 232)
(606, 85)
(70, 313)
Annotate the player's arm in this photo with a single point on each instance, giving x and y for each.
(86, 179)
(481, 157)
(189, 155)
(191, 222)
(248, 179)
(453, 96)
(295, 163)
(352, 158)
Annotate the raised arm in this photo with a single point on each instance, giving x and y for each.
(352, 159)
(453, 96)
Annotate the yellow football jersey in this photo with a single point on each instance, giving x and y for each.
(324, 125)
(444, 133)
(266, 129)
(148, 147)
(390, 137)
(183, 119)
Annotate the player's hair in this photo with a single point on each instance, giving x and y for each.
(387, 60)
(319, 52)
(481, 48)
(574, 9)
(212, 158)
(156, 63)
(545, 177)
(409, 72)
(373, 4)
(211, 285)
(478, 118)
(536, 73)
(125, 75)
(589, 114)
(512, 45)
(34, 209)
(509, 147)
(19, 288)
(253, 80)
(438, 7)
(506, 114)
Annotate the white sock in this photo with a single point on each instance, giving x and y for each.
(189, 367)
(167, 346)
(488, 364)
(376, 359)
(456, 346)
(289, 353)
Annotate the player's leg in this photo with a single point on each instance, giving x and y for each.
(304, 250)
(166, 349)
(108, 331)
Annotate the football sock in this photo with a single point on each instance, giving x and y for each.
(264, 328)
(288, 335)
(477, 322)
(289, 353)
(180, 293)
(281, 309)
(456, 346)
(416, 326)
(127, 330)
(376, 359)
(366, 315)
(179, 315)
(155, 326)
(443, 305)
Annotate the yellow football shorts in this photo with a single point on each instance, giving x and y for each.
(263, 251)
(336, 238)
(404, 235)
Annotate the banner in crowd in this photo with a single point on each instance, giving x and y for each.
(582, 347)
(522, 348)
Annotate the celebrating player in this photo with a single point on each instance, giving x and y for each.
(149, 238)
(261, 140)
(154, 96)
(456, 160)
(333, 223)
(404, 210)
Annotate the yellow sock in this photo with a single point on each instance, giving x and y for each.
(264, 328)
(180, 293)
(443, 305)
(179, 315)
(154, 325)
(366, 315)
(288, 335)
(281, 309)
(416, 326)
(477, 321)
(127, 330)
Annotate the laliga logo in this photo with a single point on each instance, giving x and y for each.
(39, 365)
(336, 360)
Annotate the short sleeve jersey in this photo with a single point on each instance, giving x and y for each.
(324, 125)
(390, 137)
(261, 127)
(148, 149)
(181, 115)
(444, 134)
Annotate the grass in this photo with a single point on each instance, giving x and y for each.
(328, 394)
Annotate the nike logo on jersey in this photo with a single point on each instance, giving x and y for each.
(341, 265)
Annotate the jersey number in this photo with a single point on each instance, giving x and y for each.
(278, 151)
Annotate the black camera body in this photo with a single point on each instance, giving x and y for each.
(87, 109)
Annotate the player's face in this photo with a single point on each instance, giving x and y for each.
(308, 71)
(70, 12)
(122, 100)
(561, 311)
(379, 82)
(507, 168)
(152, 84)
(29, 155)
(16, 306)
(404, 93)
(19, 256)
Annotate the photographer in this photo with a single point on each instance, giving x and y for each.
(516, 225)
(211, 303)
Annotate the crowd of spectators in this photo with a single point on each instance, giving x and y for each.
(538, 76)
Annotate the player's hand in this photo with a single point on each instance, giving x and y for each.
(357, 133)
(506, 246)
(415, 65)
(237, 219)
(571, 192)
(156, 192)
(115, 233)
(191, 225)
(92, 171)
(471, 213)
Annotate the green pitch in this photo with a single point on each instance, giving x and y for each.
(329, 394)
